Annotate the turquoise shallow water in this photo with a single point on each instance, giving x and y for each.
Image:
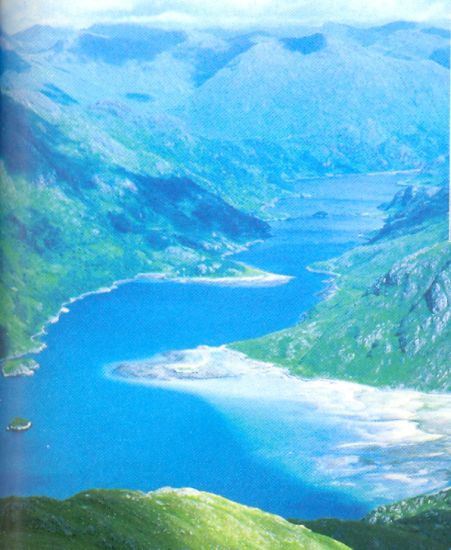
(89, 431)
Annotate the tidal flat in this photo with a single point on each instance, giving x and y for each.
(391, 442)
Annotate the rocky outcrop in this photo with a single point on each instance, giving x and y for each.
(411, 207)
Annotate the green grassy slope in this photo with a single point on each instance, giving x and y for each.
(420, 523)
(73, 220)
(388, 321)
(168, 519)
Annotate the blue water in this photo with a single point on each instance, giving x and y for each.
(89, 431)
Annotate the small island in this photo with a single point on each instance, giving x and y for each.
(18, 424)
(320, 215)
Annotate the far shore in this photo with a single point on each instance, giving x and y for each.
(265, 279)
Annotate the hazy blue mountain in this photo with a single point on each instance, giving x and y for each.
(341, 99)
(40, 38)
(393, 115)
(11, 61)
(117, 44)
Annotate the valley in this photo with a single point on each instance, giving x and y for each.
(225, 265)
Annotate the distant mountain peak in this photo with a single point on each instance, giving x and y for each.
(306, 44)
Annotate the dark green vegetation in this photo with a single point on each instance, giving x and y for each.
(121, 153)
(388, 321)
(168, 519)
(420, 523)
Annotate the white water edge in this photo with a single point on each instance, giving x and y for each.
(382, 444)
(265, 279)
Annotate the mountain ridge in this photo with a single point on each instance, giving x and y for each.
(392, 301)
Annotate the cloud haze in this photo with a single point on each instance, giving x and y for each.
(19, 14)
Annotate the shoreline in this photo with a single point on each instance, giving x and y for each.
(260, 280)
(366, 419)
(267, 279)
(381, 173)
(23, 428)
(331, 284)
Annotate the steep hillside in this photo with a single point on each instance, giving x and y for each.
(423, 523)
(167, 519)
(124, 109)
(429, 515)
(301, 97)
(189, 519)
(388, 322)
(74, 219)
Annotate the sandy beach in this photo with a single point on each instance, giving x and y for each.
(393, 441)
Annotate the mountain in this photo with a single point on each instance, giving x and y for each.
(169, 519)
(131, 149)
(260, 109)
(306, 103)
(388, 320)
(40, 38)
(421, 522)
(304, 97)
(75, 219)
(117, 44)
(296, 92)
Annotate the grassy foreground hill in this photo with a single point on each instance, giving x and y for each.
(420, 523)
(168, 519)
(388, 320)
(176, 519)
